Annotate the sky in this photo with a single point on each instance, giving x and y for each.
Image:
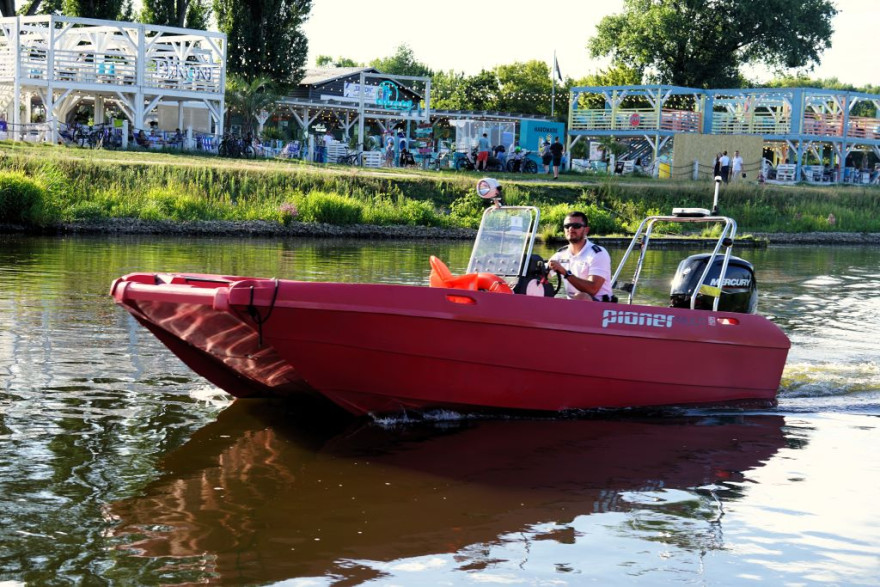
(471, 36)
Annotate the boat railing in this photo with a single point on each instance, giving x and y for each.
(643, 235)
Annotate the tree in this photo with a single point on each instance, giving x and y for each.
(327, 61)
(403, 62)
(248, 97)
(100, 9)
(526, 87)
(265, 37)
(192, 14)
(705, 43)
(7, 8)
(455, 91)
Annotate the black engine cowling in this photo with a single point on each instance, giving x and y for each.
(739, 291)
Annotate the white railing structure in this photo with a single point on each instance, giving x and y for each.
(65, 61)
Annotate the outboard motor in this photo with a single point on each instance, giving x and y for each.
(739, 290)
(534, 282)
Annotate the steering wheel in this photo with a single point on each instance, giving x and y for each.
(558, 284)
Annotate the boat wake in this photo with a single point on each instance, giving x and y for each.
(829, 379)
(837, 387)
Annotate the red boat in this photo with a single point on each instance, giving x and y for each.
(495, 338)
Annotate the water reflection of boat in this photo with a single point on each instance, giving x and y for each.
(257, 497)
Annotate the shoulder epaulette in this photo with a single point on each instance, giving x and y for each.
(560, 249)
(597, 249)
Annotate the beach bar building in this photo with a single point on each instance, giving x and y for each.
(57, 63)
(805, 134)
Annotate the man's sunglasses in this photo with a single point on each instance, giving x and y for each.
(573, 225)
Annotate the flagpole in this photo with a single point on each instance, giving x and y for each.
(553, 89)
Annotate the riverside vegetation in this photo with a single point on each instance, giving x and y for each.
(45, 189)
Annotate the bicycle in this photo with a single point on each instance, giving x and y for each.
(468, 162)
(520, 163)
(350, 159)
(235, 147)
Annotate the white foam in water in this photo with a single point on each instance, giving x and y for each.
(211, 395)
(436, 416)
(829, 379)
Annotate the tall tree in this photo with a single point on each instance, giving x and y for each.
(100, 9)
(82, 8)
(7, 7)
(456, 91)
(192, 14)
(705, 43)
(327, 61)
(403, 62)
(265, 37)
(526, 88)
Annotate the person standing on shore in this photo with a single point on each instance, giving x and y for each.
(546, 156)
(556, 150)
(725, 167)
(737, 165)
(483, 148)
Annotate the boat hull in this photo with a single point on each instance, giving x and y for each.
(386, 348)
(218, 345)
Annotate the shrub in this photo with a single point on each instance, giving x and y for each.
(602, 221)
(167, 204)
(329, 208)
(405, 212)
(22, 200)
(467, 211)
(88, 210)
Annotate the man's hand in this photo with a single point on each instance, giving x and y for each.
(558, 267)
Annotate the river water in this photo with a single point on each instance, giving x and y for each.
(118, 466)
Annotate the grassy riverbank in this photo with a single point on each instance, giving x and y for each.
(44, 187)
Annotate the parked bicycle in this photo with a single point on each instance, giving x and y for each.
(353, 158)
(519, 162)
(468, 162)
(232, 146)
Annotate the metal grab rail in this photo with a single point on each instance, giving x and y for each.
(687, 215)
(643, 237)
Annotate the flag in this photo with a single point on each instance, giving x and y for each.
(556, 70)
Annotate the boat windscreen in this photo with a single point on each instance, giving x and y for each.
(504, 240)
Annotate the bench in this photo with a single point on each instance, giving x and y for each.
(785, 172)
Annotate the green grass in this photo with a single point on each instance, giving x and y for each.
(44, 185)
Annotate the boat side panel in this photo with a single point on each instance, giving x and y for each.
(429, 360)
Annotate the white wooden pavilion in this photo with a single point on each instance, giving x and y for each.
(62, 62)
